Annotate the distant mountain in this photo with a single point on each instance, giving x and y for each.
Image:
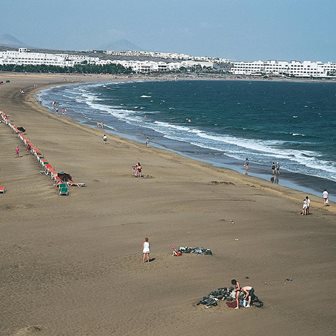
(121, 45)
(7, 40)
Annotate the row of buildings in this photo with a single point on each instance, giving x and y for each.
(305, 69)
(166, 55)
(153, 66)
(24, 57)
(154, 54)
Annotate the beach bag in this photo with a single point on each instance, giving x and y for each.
(177, 253)
(231, 304)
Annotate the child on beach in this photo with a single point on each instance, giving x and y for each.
(304, 207)
(104, 138)
(146, 250)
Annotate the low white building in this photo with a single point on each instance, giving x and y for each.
(24, 57)
(202, 64)
(305, 69)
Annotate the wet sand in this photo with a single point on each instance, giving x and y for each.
(73, 265)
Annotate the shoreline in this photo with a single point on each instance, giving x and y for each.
(257, 176)
(72, 265)
(297, 181)
(262, 182)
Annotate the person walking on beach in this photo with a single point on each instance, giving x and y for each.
(237, 289)
(325, 196)
(147, 141)
(304, 207)
(104, 138)
(277, 168)
(17, 151)
(273, 168)
(246, 165)
(146, 250)
(308, 205)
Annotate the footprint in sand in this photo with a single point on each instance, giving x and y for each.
(27, 331)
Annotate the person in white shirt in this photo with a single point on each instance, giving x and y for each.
(146, 250)
(308, 205)
(325, 196)
(304, 207)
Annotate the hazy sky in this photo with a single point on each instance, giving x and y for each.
(234, 29)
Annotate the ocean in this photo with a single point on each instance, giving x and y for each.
(220, 122)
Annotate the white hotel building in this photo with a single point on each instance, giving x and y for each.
(151, 66)
(303, 69)
(24, 57)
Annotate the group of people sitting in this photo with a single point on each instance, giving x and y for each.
(247, 291)
(137, 170)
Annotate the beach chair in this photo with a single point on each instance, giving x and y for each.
(57, 180)
(63, 189)
(2, 189)
(76, 184)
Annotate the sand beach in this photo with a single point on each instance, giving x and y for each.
(72, 265)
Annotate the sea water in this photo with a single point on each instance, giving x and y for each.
(220, 122)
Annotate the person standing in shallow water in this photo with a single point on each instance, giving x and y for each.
(146, 250)
(246, 165)
(273, 168)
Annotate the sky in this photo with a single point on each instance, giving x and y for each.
(233, 29)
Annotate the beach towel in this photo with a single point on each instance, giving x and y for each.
(195, 250)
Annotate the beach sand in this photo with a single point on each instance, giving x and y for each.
(73, 265)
